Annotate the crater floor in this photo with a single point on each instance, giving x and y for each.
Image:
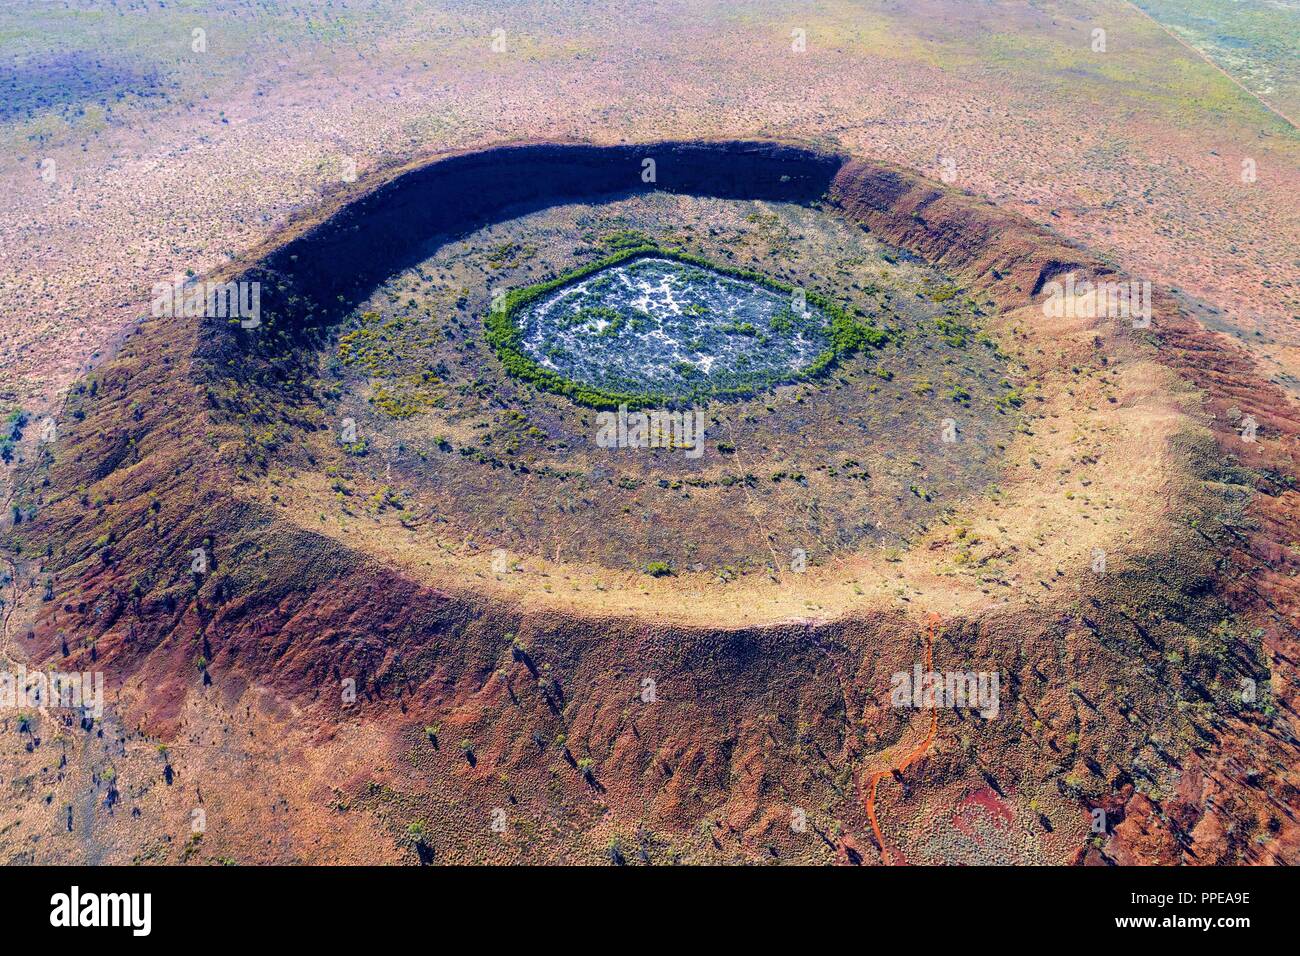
(454, 466)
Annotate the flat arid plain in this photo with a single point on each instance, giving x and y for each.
(962, 529)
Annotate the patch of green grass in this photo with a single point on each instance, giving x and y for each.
(11, 432)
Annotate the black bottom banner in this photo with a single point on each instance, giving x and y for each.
(341, 905)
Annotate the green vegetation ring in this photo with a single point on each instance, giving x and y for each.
(784, 342)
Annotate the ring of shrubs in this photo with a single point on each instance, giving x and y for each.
(847, 335)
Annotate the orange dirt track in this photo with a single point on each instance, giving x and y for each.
(931, 625)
